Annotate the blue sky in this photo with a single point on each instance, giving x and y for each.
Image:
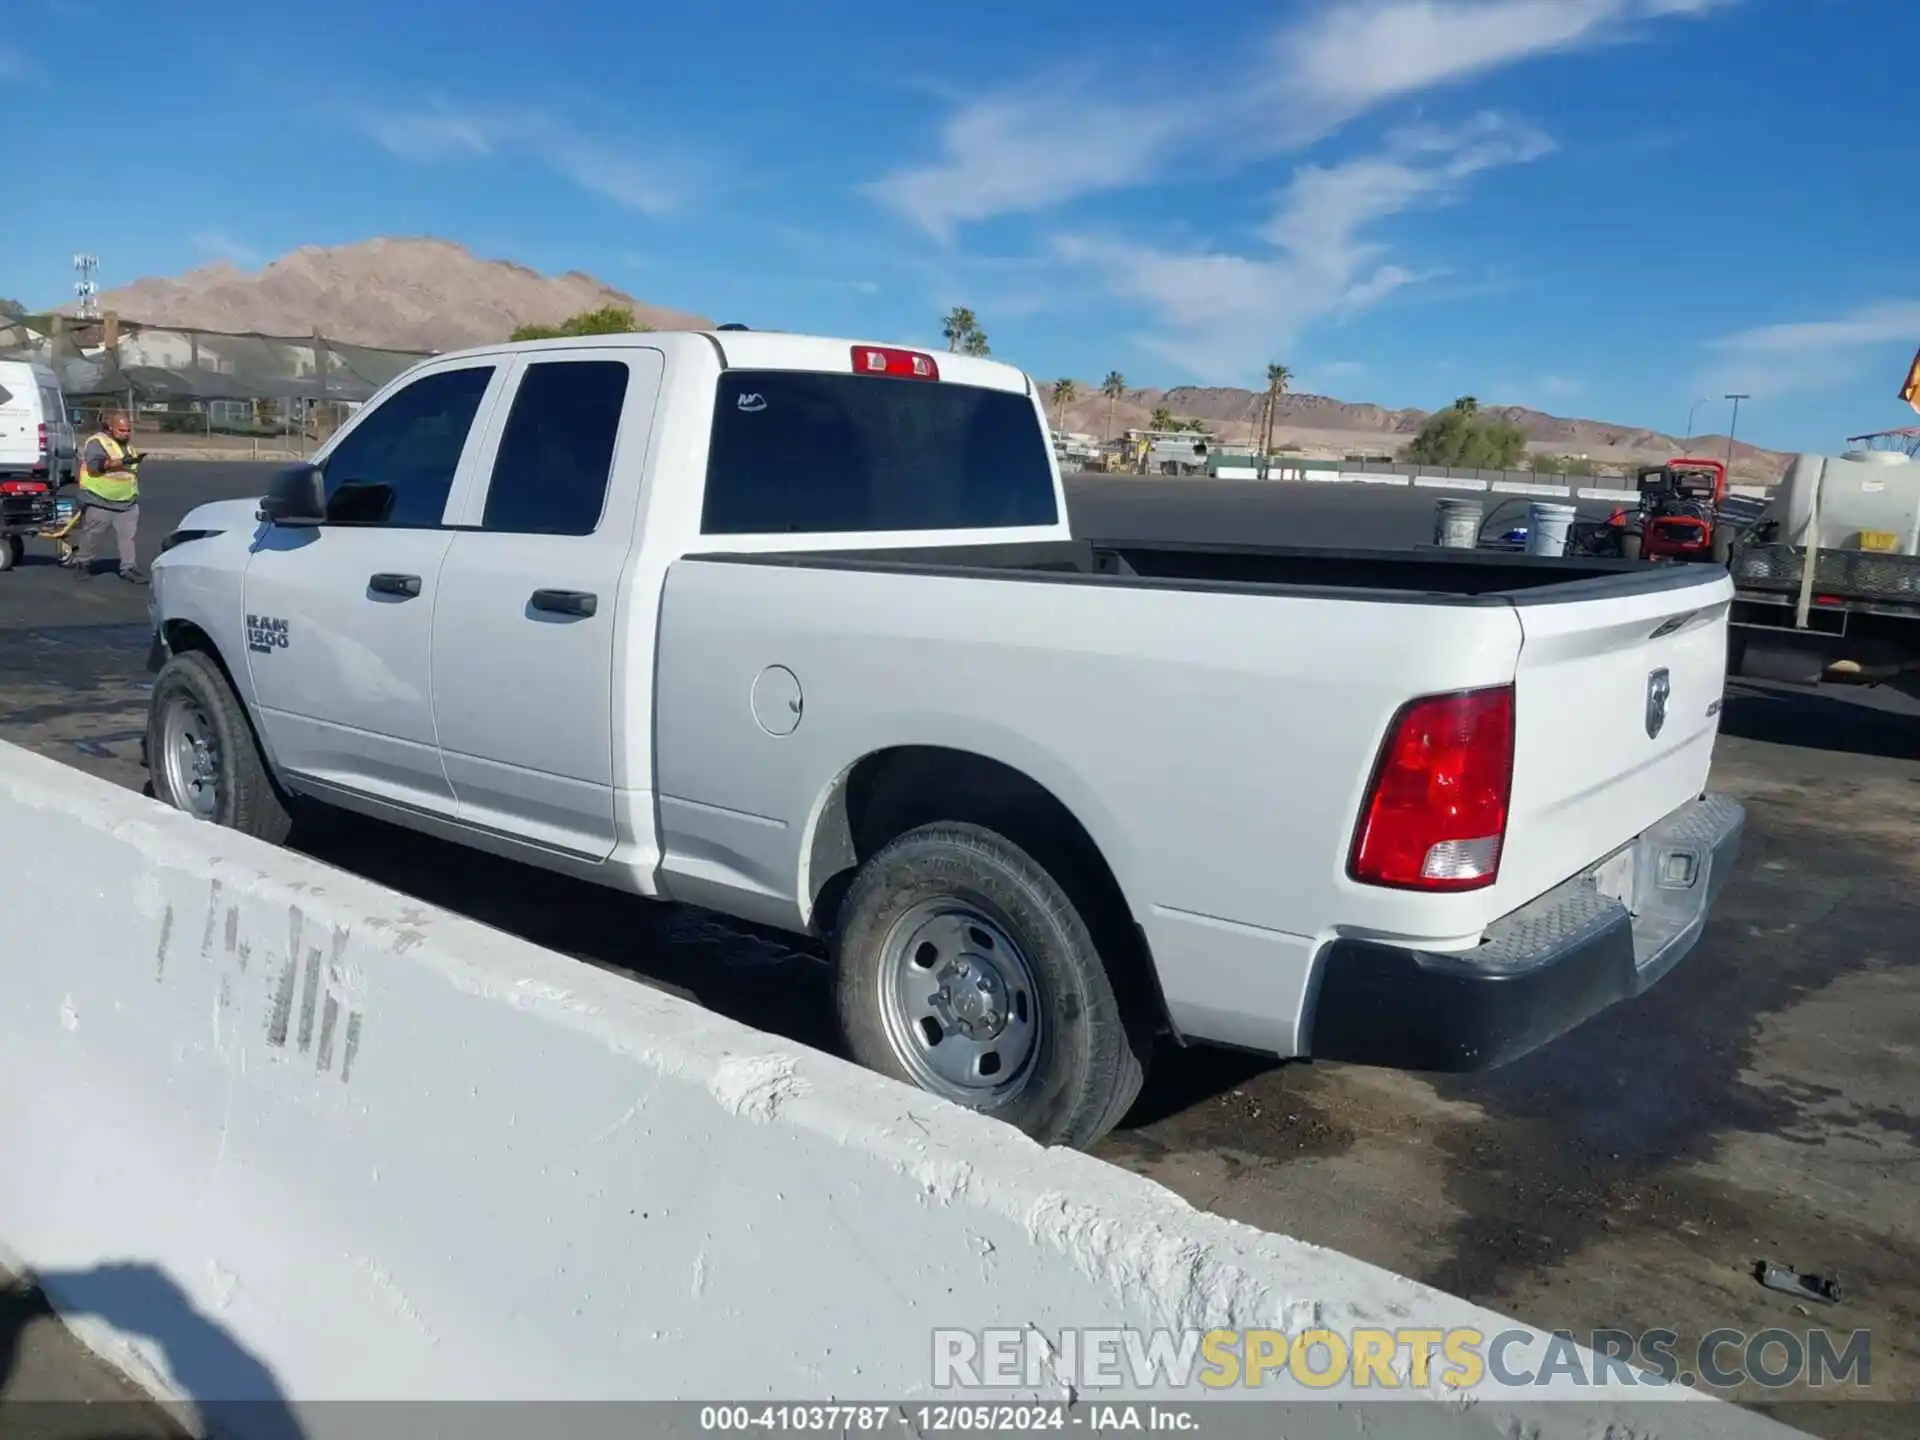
(1606, 208)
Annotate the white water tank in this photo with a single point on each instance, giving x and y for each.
(1863, 492)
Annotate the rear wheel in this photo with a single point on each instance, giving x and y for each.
(12, 552)
(963, 968)
(202, 753)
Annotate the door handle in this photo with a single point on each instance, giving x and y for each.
(384, 584)
(566, 602)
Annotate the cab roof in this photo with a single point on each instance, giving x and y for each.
(769, 350)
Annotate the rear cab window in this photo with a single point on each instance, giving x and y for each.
(805, 452)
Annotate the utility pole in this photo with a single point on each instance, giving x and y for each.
(1732, 426)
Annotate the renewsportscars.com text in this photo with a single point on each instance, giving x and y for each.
(1408, 1358)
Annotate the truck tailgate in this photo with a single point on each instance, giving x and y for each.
(1617, 706)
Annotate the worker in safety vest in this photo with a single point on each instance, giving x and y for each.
(109, 498)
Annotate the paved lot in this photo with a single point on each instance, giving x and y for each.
(1763, 1101)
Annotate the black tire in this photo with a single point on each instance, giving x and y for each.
(1086, 1064)
(12, 551)
(245, 797)
(1630, 546)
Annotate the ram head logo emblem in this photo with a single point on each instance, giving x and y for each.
(1659, 691)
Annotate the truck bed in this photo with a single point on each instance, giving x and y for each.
(1438, 576)
(1211, 715)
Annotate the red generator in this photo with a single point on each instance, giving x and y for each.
(1678, 518)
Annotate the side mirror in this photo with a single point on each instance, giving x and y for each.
(296, 496)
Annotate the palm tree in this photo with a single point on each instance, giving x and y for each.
(976, 343)
(1065, 392)
(958, 326)
(1161, 419)
(1277, 378)
(1113, 387)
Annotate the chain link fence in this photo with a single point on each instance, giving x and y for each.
(205, 390)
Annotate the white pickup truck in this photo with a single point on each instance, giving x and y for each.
(796, 629)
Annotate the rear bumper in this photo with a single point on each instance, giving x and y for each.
(1551, 965)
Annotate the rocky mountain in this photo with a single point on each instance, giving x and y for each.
(415, 293)
(408, 294)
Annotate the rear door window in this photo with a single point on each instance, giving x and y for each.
(799, 452)
(556, 454)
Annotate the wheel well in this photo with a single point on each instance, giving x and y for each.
(892, 791)
(183, 636)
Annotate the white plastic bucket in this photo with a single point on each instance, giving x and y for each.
(1456, 524)
(1547, 528)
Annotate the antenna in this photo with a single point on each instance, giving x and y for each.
(88, 266)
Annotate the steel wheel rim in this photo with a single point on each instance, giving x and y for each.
(959, 1002)
(190, 753)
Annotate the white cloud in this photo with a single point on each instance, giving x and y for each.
(1814, 355)
(437, 133)
(1345, 59)
(1052, 142)
(222, 246)
(1220, 315)
(1014, 153)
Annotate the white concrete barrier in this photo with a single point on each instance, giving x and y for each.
(271, 1131)
(1442, 482)
(1520, 487)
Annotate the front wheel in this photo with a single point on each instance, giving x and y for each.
(963, 968)
(203, 755)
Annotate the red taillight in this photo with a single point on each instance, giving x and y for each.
(1436, 816)
(43, 437)
(908, 364)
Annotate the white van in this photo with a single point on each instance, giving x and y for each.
(36, 433)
